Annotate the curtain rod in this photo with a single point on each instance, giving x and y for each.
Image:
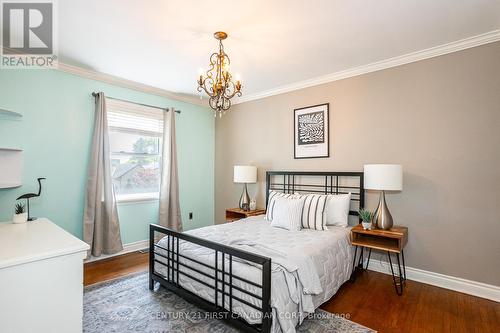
(149, 106)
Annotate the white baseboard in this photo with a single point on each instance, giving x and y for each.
(127, 248)
(440, 280)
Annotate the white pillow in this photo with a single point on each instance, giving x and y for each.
(313, 216)
(287, 213)
(337, 209)
(273, 195)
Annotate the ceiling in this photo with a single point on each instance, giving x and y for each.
(271, 43)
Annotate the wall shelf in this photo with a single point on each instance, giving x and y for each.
(10, 149)
(11, 167)
(10, 114)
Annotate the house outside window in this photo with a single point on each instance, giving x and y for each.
(135, 140)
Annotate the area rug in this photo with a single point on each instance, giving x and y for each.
(127, 305)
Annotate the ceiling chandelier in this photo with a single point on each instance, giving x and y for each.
(217, 83)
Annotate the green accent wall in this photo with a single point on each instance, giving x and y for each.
(55, 135)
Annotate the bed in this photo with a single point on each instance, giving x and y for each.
(268, 279)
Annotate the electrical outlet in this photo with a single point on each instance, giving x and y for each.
(190, 215)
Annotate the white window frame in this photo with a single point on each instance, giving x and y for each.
(135, 197)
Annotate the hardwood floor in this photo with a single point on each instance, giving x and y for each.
(370, 301)
(373, 302)
(114, 267)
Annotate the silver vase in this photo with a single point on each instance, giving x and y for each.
(382, 218)
(245, 199)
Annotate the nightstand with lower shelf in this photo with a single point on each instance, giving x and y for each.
(234, 214)
(391, 241)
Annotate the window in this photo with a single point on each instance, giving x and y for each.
(135, 141)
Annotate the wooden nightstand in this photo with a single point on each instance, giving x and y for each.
(390, 241)
(234, 214)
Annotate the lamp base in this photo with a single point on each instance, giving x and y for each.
(382, 218)
(245, 199)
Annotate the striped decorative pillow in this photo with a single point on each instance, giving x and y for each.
(271, 202)
(313, 215)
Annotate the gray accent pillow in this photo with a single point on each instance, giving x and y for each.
(287, 212)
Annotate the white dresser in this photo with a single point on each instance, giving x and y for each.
(41, 278)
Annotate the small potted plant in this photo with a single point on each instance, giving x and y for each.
(20, 216)
(366, 217)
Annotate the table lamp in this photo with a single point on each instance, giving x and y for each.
(383, 177)
(245, 174)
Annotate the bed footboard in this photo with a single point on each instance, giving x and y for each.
(221, 278)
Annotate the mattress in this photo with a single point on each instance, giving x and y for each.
(329, 252)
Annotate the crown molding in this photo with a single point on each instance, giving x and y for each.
(486, 38)
(121, 82)
(124, 83)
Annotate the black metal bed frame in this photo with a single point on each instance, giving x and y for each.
(331, 185)
(222, 275)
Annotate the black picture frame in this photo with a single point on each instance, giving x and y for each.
(326, 131)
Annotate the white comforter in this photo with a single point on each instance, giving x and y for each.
(308, 267)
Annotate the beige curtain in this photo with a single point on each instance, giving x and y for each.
(170, 211)
(101, 229)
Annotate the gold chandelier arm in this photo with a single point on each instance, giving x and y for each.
(237, 92)
(232, 90)
(213, 62)
(203, 86)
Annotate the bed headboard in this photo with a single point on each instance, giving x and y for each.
(319, 182)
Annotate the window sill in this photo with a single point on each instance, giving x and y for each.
(137, 198)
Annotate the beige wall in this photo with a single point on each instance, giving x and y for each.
(439, 118)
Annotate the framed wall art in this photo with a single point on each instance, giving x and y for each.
(311, 131)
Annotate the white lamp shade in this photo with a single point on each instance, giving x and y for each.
(245, 174)
(383, 177)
